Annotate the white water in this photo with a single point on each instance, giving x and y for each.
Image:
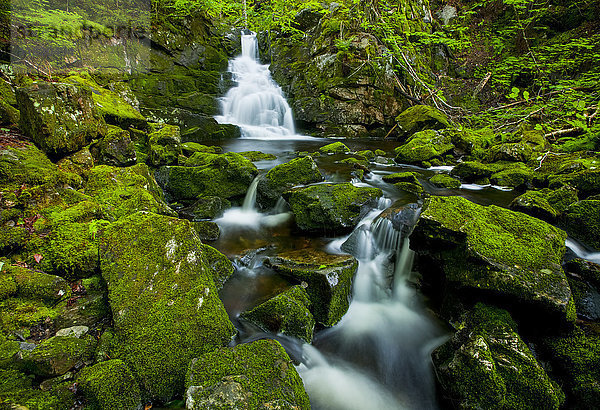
(256, 104)
(581, 252)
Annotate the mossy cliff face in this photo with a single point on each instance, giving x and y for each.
(163, 299)
(471, 250)
(257, 375)
(487, 365)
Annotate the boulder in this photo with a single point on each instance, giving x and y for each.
(78, 163)
(516, 176)
(209, 207)
(110, 385)
(207, 230)
(28, 165)
(38, 285)
(401, 177)
(88, 307)
(445, 181)
(255, 156)
(331, 208)
(189, 148)
(582, 221)
(420, 118)
(544, 204)
(115, 148)
(334, 148)
(163, 300)
(487, 365)
(164, 145)
(423, 146)
(471, 142)
(587, 182)
(257, 375)
(221, 267)
(479, 252)
(226, 176)
(9, 114)
(286, 313)
(59, 118)
(329, 279)
(299, 171)
(474, 172)
(516, 152)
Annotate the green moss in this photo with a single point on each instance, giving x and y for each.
(534, 203)
(220, 267)
(445, 181)
(416, 189)
(334, 148)
(401, 177)
(17, 314)
(116, 148)
(16, 391)
(419, 118)
(299, 171)
(368, 154)
(423, 146)
(257, 156)
(164, 145)
(471, 171)
(356, 160)
(57, 355)
(39, 285)
(582, 221)
(28, 165)
(190, 147)
(586, 182)
(517, 152)
(472, 142)
(12, 238)
(110, 385)
(517, 176)
(258, 374)
(208, 207)
(8, 286)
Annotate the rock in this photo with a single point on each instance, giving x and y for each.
(331, 208)
(423, 146)
(401, 177)
(125, 191)
(226, 176)
(445, 181)
(480, 251)
(545, 204)
(205, 128)
(163, 300)
(516, 176)
(57, 355)
(39, 285)
(306, 19)
(18, 392)
(471, 142)
(586, 182)
(334, 148)
(74, 331)
(78, 163)
(574, 358)
(420, 118)
(415, 189)
(9, 114)
(329, 279)
(116, 149)
(368, 154)
(189, 148)
(257, 375)
(587, 270)
(582, 221)
(255, 156)
(110, 385)
(516, 152)
(28, 165)
(88, 308)
(586, 298)
(164, 145)
(221, 267)
(59, 118)
(487, 365)
(286, 313)
(299, 171)
(472, 171)
(209, 207)
(207, 230)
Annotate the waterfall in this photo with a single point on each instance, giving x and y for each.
(250, 199)
(256, 104)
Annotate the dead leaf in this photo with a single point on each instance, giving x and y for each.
(38, 257)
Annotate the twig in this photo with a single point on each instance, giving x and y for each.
(393, 128)
(592, 116)
(558, 133)
(521, 120)
(542, 160)
(482, 84)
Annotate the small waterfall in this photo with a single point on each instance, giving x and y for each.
(256, 104)
(250, 199)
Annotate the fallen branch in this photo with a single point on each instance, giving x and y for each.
(482, 84)
(392, 130)
(590, 119)
(562, 133)
(521, 120)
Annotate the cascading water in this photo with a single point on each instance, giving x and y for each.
(256, 104)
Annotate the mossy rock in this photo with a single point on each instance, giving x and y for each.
(445, 181)
(575, 357)
(255, 375)
(205, 128)
(471, 142)
(115, 148)
(220, 266)
(480, 251)
(226, 176)
(517, 176)
(189, 148)
(588, 271)
(89, 308)
(419, 118)
(545, 204)
(473, 171)
(57, 355)
(255, 156)
(415, 189)
(401, 177)
(59, 118)
(78, 163)
(329, 279)
(19, 314)
(124, 191)
(164, 145)
(423, 146)
(209, 207)
(299, 171)
(586, 182)
(368, 154)
(286, 313)
(582, 221)
(331, 208)
(515, 152)
(207, 230)
(334, 148)
(486, 364)
(38, 285)
(163, 300)
(12, 238)
(110, 385)
(28, 165)
(17, 392)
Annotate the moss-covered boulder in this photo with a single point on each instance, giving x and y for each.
(419, 118)
(445, 181)
(164, 145)
(471, 142)
(586, 270)
(38, 285)
(587, 182)
(188, 148)
(582, 221)
(218, 264)
(517, 152)
(110, 385)
(473, 171)
(574, 358)
(124, 191)
(163, 300)
(207, 230)
(115, 148)
(59, 118)
(255, 156)
(516, 176)
(474, 251)
(78, 163)
(257, 375)
(487, 365)
(334, 148)
(412, 188)
(57, 355)
(209, 207)
(329, 279)
(331, 208)
(9, 114)
(18, 391)
(28, 165)
(226, 176)
(299, 171)
(88, 307)
(423, 146)
(401, 177)
(286, 313)
(545, 204)
(204, 128)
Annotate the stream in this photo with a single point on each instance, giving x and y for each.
(378, 355)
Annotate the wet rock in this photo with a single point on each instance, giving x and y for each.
(220, 266)
(420, 118)
(331, 208)
(401, 177)
(474, 172)
(255, 156)
(257, 375)
(329, 279)
(207, 230)
(516, 176)
(209, 207)
(545, 204)
(413, 188)
(582, 221)
(486, 364)
(164, 145)
(471, 142)
(59, 118)
(586, 297)
(286, 313)
(226, 176)
(423, 146)
(116, 149)
(334, 148)
(586, 270)
(110, 385)
(479, 252)
(189, 148)
(163, 300)
(299, 171)
(202, 128)
(445, 181)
